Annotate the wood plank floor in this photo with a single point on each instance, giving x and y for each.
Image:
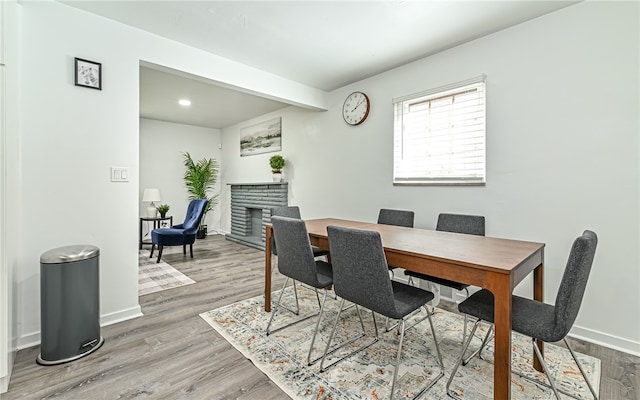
(171, 353)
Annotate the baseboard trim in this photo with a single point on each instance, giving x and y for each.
(122, 315)
(33, 339)
(606, 340)
(4, 384)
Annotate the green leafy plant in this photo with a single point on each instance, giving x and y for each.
(277, 163)
(200, 177)
(163, 208)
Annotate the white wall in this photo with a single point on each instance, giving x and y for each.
(9, 188)
(70, 136)
(161, 163)
(562, 152)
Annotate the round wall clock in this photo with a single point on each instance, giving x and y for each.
(355, 108)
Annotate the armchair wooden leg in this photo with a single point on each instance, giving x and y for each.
(184, 249)
(191, 249)
(153, 246)
(159, 253)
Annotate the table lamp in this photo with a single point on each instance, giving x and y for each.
(151, 195)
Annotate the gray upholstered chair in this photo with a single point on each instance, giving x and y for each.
(360, 275)
(398, 218)
(456, 223)
(293, 212)
(296, 262)
(541, 321)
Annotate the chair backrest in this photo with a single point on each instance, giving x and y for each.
(460, 223)
(286, 211)
(195, 211)
(283, 211)
(295, 257)
(574, 282)
(360, 271)
(396, 217)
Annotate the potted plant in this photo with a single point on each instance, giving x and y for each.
(200, 177)
(277, 163)
(162, 209)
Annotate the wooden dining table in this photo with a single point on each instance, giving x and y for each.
(491, 263)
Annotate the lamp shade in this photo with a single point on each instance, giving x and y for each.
(151, 195)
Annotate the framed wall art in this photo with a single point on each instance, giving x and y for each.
(264, 137)
(88, 74)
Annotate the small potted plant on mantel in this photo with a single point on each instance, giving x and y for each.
(163, 209)
(277, 163)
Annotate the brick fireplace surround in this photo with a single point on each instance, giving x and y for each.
(251, 205)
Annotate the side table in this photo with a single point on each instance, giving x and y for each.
(156, 225)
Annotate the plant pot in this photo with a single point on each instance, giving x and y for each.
(163, 214)
(277, 177)
(202, 232)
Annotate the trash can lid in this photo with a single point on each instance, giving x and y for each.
(69, 254)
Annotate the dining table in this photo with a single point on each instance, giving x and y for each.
(496, 264)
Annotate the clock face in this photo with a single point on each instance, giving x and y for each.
(356, 108)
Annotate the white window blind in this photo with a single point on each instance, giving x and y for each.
(439, 136)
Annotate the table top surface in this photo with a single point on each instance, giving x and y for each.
(484, 252)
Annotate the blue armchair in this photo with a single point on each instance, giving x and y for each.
(180, 235)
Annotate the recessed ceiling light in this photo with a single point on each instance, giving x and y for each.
(184, 102)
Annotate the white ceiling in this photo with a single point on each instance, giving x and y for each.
(322, 44)
(212, 106)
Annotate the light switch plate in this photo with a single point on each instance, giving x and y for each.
(119, 174)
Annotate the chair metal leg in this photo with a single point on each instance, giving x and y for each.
(478, 352)
(450, 393)
(593, 392)
(435, 341)
(388, 327)
(159, 252)
(552, 385)
(440, 362)
(429, 314)
(295, 294)
(546, 370)
(466, 317)
(279, 306)
(402, 330)
(332, 335)
(315, 333)
(323, 299)
(395, 371)
(275, 310)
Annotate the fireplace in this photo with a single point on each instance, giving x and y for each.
(251, 205)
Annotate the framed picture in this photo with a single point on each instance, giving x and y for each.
(264, 137)
(88, 74)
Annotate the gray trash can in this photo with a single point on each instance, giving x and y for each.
(69, 304)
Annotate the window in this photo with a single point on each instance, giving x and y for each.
(439, 136)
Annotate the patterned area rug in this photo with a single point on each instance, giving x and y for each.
(367, 375)
(154, 277)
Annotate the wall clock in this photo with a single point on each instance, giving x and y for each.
(355, 108)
